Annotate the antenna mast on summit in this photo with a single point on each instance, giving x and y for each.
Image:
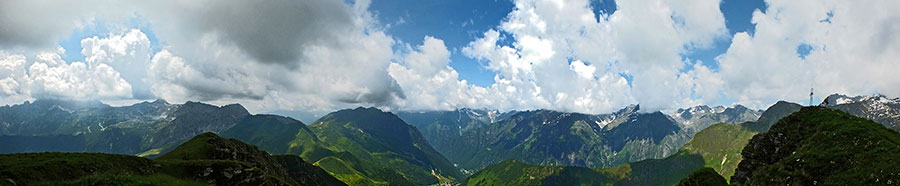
(810, 96)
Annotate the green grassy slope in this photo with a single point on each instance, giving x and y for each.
(205, 159)
(514, 172)
(720, 146)
(354, 171)
(372, 140)
(32, 168)
(270, 132)
(821, 146)
(666, 171)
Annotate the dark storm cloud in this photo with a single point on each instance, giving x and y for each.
(39, 23)
(273, 31)
(383, 96)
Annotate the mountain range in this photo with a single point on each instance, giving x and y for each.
(878, 108)
(91, 126)
(718, 146)
(356, 145)
(368, 146)
(477, 138)
(833, 146)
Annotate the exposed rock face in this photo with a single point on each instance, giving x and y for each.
(702, 116)
(225, 173)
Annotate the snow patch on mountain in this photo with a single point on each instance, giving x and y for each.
(878, 108)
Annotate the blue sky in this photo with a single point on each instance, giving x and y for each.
(72, 43)
(455, 22)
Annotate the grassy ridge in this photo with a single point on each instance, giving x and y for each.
(32, 168)
(205, 159)
(270, 132)
(821, 146)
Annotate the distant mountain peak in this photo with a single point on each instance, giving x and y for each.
(772, 114)
(633, 107)
(234, 109)
(628, 110)
(840, 99)
(877, 107)
(362, 109)
(699, 109)
(782, 102)
(156, 103)
(160, 101)
(732, 114)
(371, 110)
(738, 106)
(836, 99)
(467, 109)
(362, 115)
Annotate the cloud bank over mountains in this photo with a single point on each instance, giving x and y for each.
(321, 55)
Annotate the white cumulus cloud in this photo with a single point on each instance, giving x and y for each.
(855, 47)
(12, 70)
(99, 77)
(51, 77)
(553, 41)
(127, 53)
